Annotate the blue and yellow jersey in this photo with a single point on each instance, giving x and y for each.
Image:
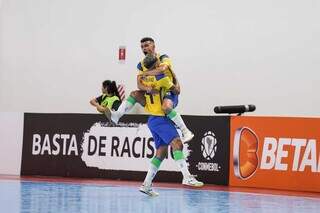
(164, 80)
(153, 104)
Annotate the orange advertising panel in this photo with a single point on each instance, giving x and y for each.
(275, 152)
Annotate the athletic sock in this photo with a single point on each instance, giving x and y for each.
(153, 169)
(181, 162)
(125, 106)
(177, 119)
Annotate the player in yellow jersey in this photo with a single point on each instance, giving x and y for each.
(164, 134)
(170, 98)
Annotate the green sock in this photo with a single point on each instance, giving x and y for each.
(182, 164)
(172, 114)
(131, 100)
(156, 162)
(178, 155)
(153, 169)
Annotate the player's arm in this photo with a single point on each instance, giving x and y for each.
(164, 64)
(95, 102)
(140, 84)
(176, 88)
(157, 71)
(143, 87)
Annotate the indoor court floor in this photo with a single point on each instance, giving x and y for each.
(57, 195)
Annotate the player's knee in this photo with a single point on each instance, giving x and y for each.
(176, 144)
(134, 94)
(166, 110)
(166, 106)
(162, 155)
(175, 90)
(162, 152)
(138, 96)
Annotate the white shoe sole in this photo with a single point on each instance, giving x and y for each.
(193, 185)
(151, 194)
(199, 184)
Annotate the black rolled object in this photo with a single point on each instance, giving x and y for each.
(234, 109)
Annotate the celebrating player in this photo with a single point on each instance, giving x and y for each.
(161, 69)
(164, 134)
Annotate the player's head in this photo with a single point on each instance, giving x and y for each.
(147, 45)
(150, 61)
(110, 88)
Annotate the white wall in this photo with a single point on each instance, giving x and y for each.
(54, 54)
(11, 134)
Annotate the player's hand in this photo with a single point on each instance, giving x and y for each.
(152, 90)
(145, 74)
(176, 90)
(101, 109)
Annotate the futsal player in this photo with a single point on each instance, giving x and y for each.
(164, 134)
(163, 65)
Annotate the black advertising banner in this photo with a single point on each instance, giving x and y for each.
(209, 156)
(86, 145)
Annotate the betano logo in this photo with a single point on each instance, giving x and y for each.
(245, 157)
(280, 154)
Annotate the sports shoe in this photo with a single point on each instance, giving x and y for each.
(192, 181)
(187, 136)
(112, 116)
(148, 190)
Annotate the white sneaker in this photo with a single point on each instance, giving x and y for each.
(187, 136)
(192, 181)
(112, 116)
(148, 190)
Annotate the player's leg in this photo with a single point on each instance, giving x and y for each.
(169, 135)
(170, 101)
(161, 153)
(155, 163)
(188, 179)
(126, 106)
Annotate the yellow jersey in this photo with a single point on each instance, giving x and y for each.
(164, 80)
(162, 83)
(153, 104)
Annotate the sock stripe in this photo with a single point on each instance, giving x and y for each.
(156, 162)
(172, 114)
(131, 100)
(178, 155)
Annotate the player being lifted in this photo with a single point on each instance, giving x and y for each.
(161, 69)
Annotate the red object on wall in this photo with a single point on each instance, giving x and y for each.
(122, 53)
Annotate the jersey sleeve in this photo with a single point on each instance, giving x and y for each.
(116, 104)
(164, 59)
(139, 68)
(99, 99)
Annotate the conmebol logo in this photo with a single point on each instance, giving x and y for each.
(245, 158)
(209, 145)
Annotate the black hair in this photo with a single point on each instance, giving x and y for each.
(146, 39)
(149, 61)
(111, 87)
